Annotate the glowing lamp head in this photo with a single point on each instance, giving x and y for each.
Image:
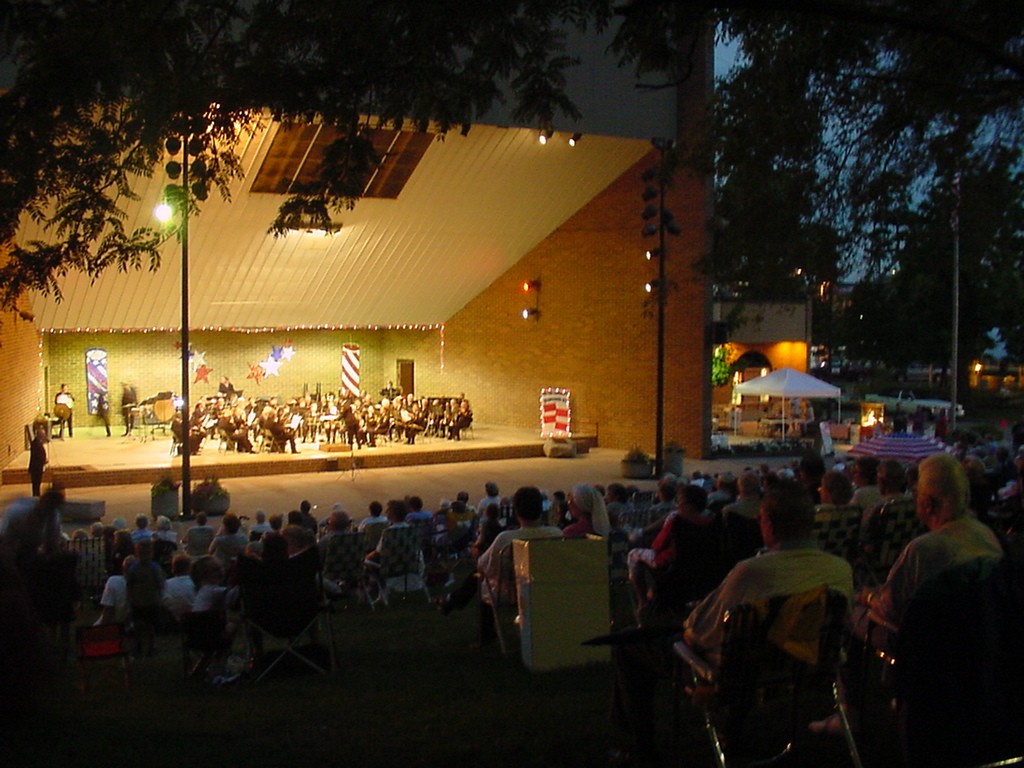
(163, 212)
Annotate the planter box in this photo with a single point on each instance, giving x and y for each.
(217, 505)
(637, 470)
(165, 503)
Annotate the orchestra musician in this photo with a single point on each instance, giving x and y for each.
(226, 389)
(463, 419)
(355, 431)
(411, 421)
(63, 407)
(178, 429)
(129, 402)
(330, 415)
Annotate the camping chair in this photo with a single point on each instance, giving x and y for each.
(779, 647)
(401, 557)
(202, 633)
(343, 561)
(107, 642)
(958, 674)
(498, 600)
(91, 570)
(620, 590)
(285, 601)
(837, 528)
(889, 530)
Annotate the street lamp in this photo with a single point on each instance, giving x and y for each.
(658, 220)
(178, 197)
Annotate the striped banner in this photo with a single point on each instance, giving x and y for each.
(96, 378)
(350, 377)
(555, 413)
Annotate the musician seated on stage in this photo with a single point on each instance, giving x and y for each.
(462, 419)
(195, 437)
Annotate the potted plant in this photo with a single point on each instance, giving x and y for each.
(637, 464)
(210, 497)
(163, 497)
(673, 458)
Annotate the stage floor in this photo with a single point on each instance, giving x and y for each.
(91, 458)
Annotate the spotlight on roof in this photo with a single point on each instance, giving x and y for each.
(575, 139)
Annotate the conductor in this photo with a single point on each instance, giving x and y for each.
(37, 458)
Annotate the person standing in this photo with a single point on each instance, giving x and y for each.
(129, 401)
(37, 458)
(103, 410)
(64, 405)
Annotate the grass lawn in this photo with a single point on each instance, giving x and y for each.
(409, 691)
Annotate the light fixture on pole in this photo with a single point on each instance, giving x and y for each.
(177, 199)
(659, 221)
(532, 286)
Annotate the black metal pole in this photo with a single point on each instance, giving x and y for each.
(186, 443)
(659, 425)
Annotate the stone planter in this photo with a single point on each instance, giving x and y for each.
(215, 505)
(164, 503)
(637, 470)
(673, 460)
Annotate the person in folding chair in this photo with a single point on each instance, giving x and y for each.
(954, 538)
(528, 506)
(793, 563)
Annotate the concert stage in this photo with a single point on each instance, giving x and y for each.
(91, 459)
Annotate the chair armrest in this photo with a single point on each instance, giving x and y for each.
(701, 667)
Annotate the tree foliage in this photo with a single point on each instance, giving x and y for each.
(843, 112)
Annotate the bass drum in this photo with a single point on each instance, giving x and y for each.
(62, 411)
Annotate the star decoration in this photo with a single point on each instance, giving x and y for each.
(203, 373)
(198, 359)
(275, 353)
(287, 351)
(177, 345)
(255, 372)
(270, 367)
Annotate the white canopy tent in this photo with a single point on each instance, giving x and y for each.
(788, 383)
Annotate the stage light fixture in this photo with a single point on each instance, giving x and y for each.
(528, 313)
(545, 135)
(531, 285)
(575, 139)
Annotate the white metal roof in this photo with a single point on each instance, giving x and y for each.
(473, 207)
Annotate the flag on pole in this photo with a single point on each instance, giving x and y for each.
(350, 376)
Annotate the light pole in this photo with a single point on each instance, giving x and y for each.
(659, 288)
(181, 195)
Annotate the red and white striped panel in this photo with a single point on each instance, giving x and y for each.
(350, 376)
(555, 413)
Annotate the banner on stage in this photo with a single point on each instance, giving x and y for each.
(555, 413)
(96, 380)
(827, 449)
(350, 372)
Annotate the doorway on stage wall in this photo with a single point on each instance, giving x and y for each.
(405, 375)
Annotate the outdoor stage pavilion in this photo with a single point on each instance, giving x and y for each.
(425, 278)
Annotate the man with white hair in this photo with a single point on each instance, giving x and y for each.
(954, 537)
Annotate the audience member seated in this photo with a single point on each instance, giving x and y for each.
(866, 494)
(686, 563)
(338, 522)
(179, 590)
(528, 508)
(376, 517)
(739, 519)
(141, 531)
(199, 537)
(589, 514)
(114, 608)
(145, 585)
(229, 541)
(792, 564)
(954, 537)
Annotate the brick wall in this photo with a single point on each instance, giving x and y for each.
(20, 353)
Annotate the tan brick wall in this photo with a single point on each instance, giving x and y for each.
(21, 400)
